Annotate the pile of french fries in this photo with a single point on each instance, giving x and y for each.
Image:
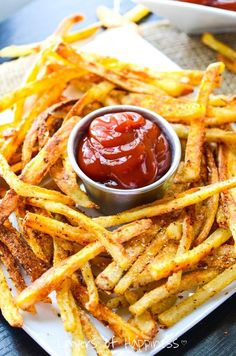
(183, 242)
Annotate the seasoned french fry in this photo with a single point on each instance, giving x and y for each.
(189, 281)
(164, 206)
(212, 134)
(91, 287)
(65, 178)
(163, 305)
(190, 170)
(228, 202)
(174, 280)
(8, 308)
(213, 202)
(119, 326)
(175, 313)
(188, 259)
(28, 190)
(12, 267)
(93, 335)
(137, 267)
(39, 86)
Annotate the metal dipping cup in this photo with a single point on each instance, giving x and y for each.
(113, 200)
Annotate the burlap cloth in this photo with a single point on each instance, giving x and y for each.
(187, 51)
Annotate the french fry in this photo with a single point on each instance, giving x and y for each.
(137, 267)
(87, 275)
(119, 326)
(211, 134)
(189, 281)
(36, 247)
(163, 305)
(12, 267)
(175, 313)
(8, 308)
(116, 250)
(173, 110)
(228, 202)
(174, 280)
(145, 323)
(28, 190)
(21, 252)
(65, 75)
(190, 170)
(111, 275)
(213, 202)
(190, 258)
(65, 178)
(192, 196)
(167, 253)
(93, 335)
(209, 40)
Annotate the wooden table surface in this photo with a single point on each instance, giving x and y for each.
(216, 334)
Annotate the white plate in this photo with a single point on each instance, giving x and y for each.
(193, 18)
(46, 327)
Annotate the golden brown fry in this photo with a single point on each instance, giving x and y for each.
(111, 275)
(211, 135)
(65, 178)
(119, 326)
(28, 190)
(164, 206)
(21, 252)
(88, 277)
(190, 258)
(228, 202)
(12, 267)
(188, 282)
(190, 170)
(209, 40)
(212, 203)
(175, 313)
(174, 280)
(137, 267)
(7, 305)
(93, 335)
(163, 305)
(39, 86)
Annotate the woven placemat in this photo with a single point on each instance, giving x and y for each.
(187, 51)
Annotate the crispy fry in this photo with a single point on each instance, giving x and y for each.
(175, 313)
(93, 335)
(189, 281)
(212, 203)
(28, 190)
(90, 283)
(137, 267)
(7, 305)
(209, 40)
(229, 204)
(65, 178)
(188, 259)
(12, 267)
(212, 134)
(118, 325)
(190, 171)
(21, 251)
(164, 206)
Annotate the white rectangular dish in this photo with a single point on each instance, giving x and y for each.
(46, 328)
(193, 18)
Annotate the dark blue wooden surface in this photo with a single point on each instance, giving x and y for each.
(216, 334)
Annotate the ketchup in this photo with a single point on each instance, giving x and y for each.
(222, 4)
(124, 150)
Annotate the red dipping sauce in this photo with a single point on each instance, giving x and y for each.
(222, 4)
(124, 151)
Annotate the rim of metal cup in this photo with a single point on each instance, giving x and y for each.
(169, 133)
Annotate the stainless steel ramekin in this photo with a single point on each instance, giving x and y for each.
(113, 200)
